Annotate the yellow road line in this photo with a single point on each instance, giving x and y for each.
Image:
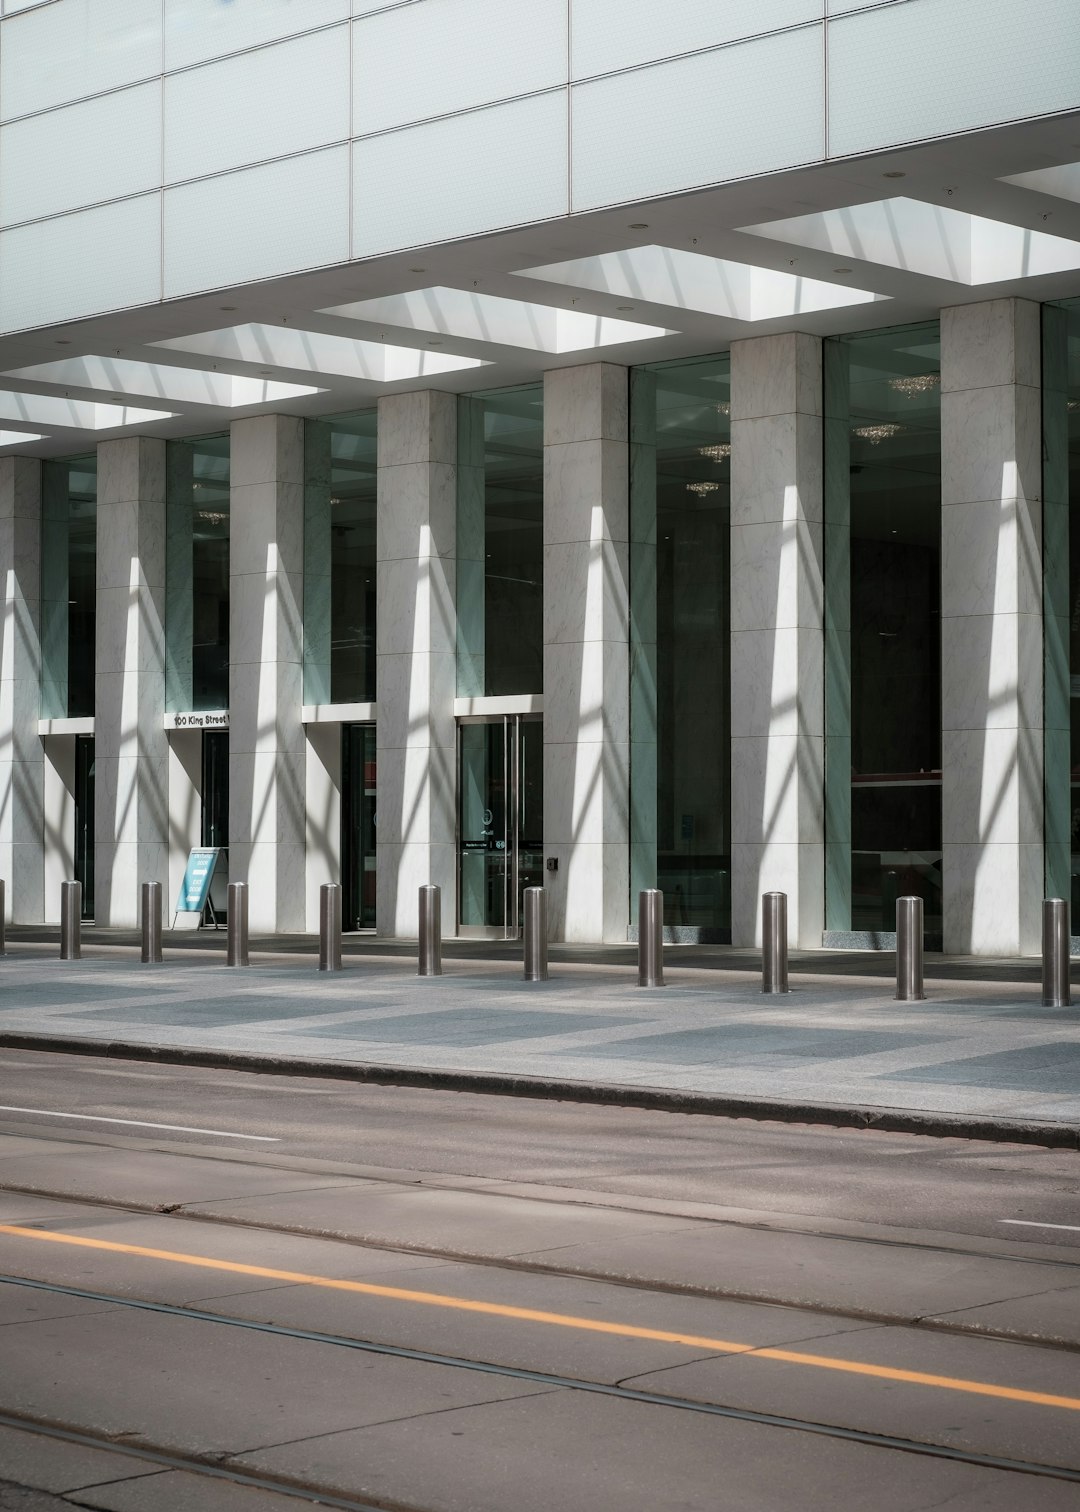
(557, 1320)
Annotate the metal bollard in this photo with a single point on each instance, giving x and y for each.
(1056, 987)
(430, 931)
(3, 918)
(237, 941)
(909, 950)
(650, 938)
(330, 927)
(151, 923)
(536, 935)
(71, 921)
(774, 943)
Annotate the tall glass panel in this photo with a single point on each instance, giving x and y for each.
(500, 539)
(1061, 566)
(68, 587)
(882, 630)
(680, 545)
(358, 830)
(197, 574)
(84, 821)
(340, 475)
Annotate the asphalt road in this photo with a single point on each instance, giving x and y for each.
(223, 1291)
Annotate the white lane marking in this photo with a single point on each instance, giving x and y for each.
(1072, 1228)
(139, 1123)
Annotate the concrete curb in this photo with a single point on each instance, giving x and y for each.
(602, 1094)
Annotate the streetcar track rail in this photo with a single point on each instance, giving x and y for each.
(548, 1379)
(190, 1464)
(661, 1287)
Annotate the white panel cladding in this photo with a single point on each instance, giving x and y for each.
(611, 34)
(263, 104)
(252, 238)
(726, 114)
(416, 61)
(100, 149)
(75, 265)
(196, 30)
(76, 48)
(924, 69)
(517, 152)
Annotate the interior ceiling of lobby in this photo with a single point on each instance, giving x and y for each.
(336, 339)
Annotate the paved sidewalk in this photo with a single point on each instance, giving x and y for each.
(983, 1049)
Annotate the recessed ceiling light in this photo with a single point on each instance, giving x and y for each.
(417, 270)
(841, 270)
(639, 225)
(894, 173)
(60, 341)
(434, 343)
(624, 307)
(226, 307)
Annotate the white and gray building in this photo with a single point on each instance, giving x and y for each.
(598, 443)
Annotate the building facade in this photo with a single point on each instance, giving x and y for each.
(588, 443)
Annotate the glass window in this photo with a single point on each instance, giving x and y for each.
(883, 629)
(340, 475)
(1061, 565)
(68, 587)
(500, 535)
(197, 574)
(680, 542)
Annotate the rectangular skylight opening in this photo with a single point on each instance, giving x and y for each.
(174, 385)
(1062, 182)
(74, 414)
(316, 352)
(502, 322)
(17, 438)
(659, 275)
(929, 239)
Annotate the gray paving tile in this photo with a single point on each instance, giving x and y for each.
(472, 1026)
(754, 1045)
(1051, 1067)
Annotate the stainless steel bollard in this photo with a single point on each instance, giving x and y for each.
(650, 938)
(3, 918)
(774, 945)
(536, 935)
(430, 931)
(151, 923)
(330, 927)
(237, 940)
(1056, 987)
(909, 950)
(71, 921)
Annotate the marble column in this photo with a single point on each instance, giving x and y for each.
(991, 628)
(21, 756)
(586, 651)
(266, 738)
(131, 753)
(416, 676)
(777, 651)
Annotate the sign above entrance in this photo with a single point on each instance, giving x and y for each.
(199, 719)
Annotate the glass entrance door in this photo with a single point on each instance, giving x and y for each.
(358, 826)
(500, 821)
(84, 821)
